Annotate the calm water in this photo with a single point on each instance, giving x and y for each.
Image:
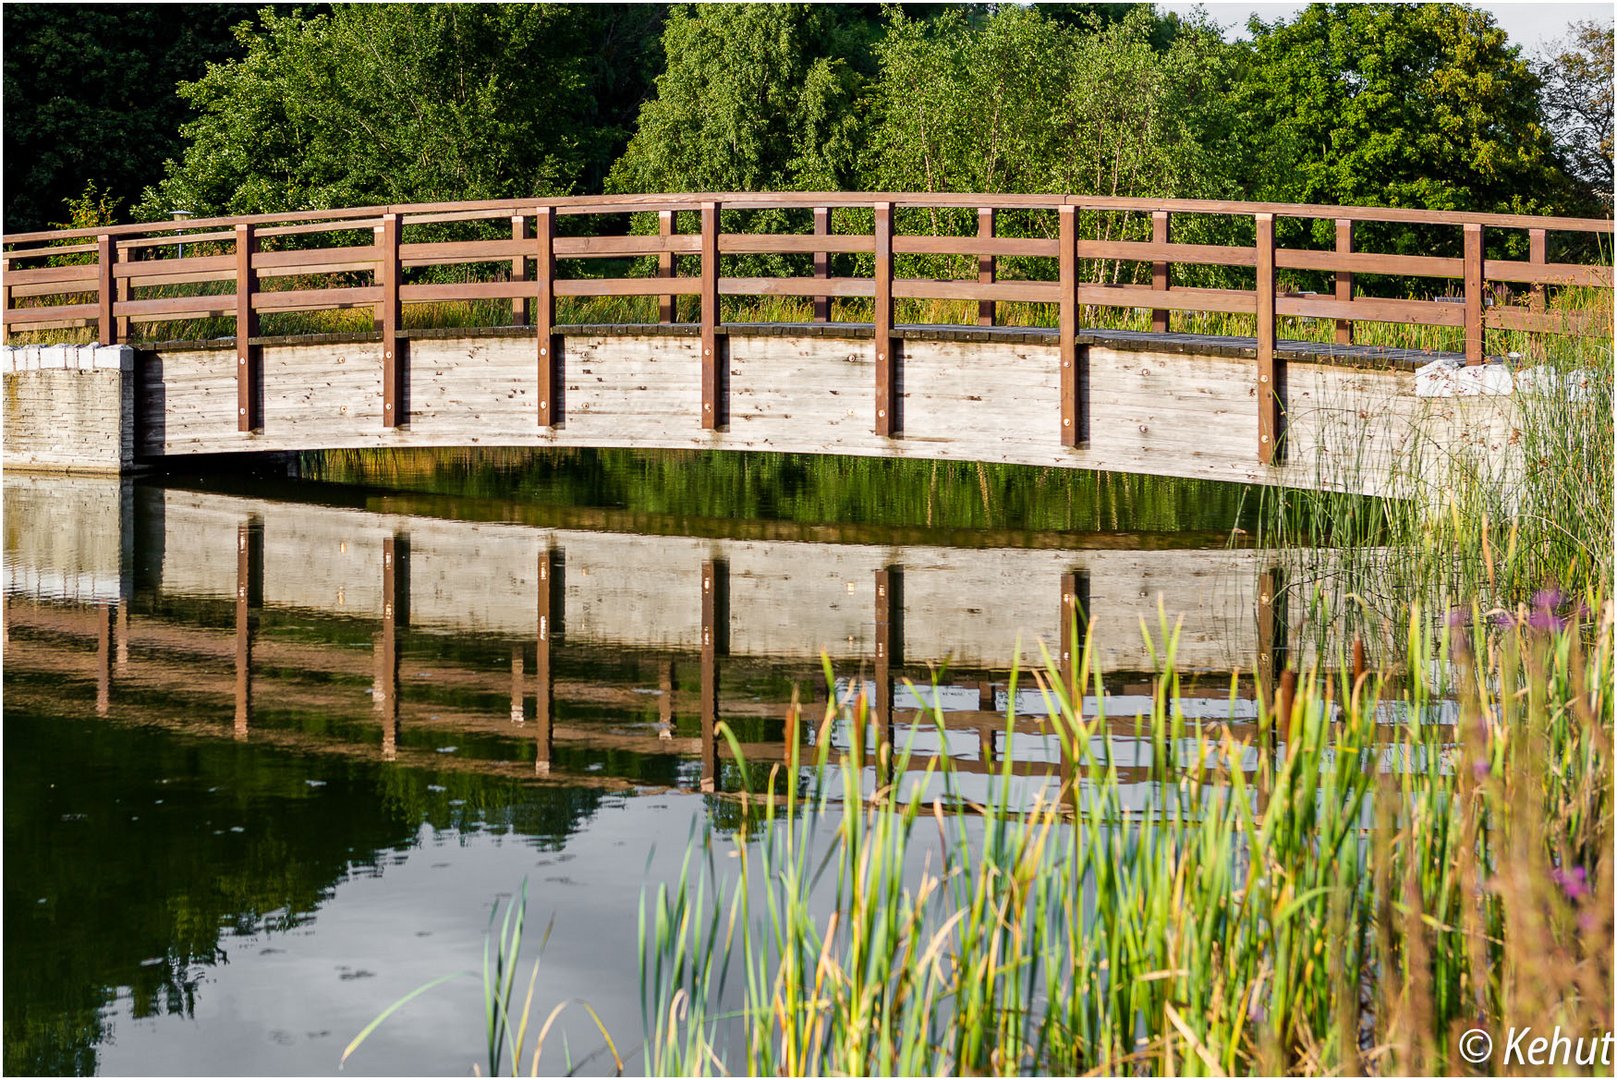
(274, 748)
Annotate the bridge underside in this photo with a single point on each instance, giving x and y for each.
(1166, 404)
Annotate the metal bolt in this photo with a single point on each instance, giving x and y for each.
(389, 405)
(543, 404)
(241, 360)
(1066, 423)
(1263, 378)
(881, 356)
(388, 355)
(1263, 438)
(242, 411)
(881, 412)
(542, 351)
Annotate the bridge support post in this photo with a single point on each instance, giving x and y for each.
(544, 314)
(712, 406)
(1071, 416)
(1271, 373)
(1473, 295)
(120, 323)
(1344, 279)
(249, 377)
(822, 262)
(886, 365)
(985, 265)
(1074, 628)
(387, 276)
(1159, 269)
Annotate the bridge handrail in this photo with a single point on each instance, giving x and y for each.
(101, 293)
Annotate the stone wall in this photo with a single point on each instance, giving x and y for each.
(69, 408)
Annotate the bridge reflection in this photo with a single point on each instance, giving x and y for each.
(609, 660)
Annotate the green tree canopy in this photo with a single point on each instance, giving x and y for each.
(90, 97)
(393, 103)
(1422, 105)
(755, 97)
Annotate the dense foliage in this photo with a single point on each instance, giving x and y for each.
(1424, 105)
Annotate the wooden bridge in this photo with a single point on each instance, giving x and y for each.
(559, 358)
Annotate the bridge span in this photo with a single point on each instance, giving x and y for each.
(1040, 330)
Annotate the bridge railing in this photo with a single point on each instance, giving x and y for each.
(243, 267)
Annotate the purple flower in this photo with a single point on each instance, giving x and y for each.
(1549, 599)
(1574, 882)
(1504, 620)
(1458, 618)
(1480, 768)
(1545, 619)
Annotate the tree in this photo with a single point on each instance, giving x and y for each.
(1419, 105)
(754, 97)
(1578, 105)
(398, 103)
(90, 97)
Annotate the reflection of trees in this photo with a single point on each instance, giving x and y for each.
(136, 890)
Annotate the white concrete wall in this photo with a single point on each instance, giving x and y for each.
(69, 408)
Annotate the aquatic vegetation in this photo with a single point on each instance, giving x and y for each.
(1377, 884)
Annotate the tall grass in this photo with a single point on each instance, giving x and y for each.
(1376, 884)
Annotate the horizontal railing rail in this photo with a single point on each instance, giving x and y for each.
(232, 273)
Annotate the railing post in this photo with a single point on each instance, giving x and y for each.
(986, 265)
(395, 616)
(249, 600)
(544, 313)
(886, 367)
(1473, 294)
(665, 267)
(1159, 269)
(1536, 256)
(822, 262)
(1269, 373)
(387, 274)
(711, 417)
(106, 328)
(120, 323)
(5, 299)
(248, 374)
(1071, 417)
(519, 270)
(1344, 279)
(1074, 628)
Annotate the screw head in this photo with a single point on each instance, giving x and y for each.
(544, 404)
(243, 412)
(881, 412)
(241, 360)
(388, 406)
(1066, 423)
(543, 351)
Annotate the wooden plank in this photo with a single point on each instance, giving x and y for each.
(463, 251)
(248, 369)
(1372, 309)
(619, 247)
(1140, 251)
(1159, 269)
(374, 296)
(647, 286)
(1235, 301)
(1548, 322)
(50, 316)
(1541, 273)
(665, 267)
(985, 264)
(311, 261)
(519, 267)
(1269, 365)
(794, 244)
(1048, 292)
(1473, 295)
(712, 417)
(1070, 296)
(388, 273)
(1368, 262)
(465, 290)
(544, 316)
(106, 327)
(84, 274)
(796, 286)
(1344, 278)
(886, 365)
(1028, 247)
(822, 262)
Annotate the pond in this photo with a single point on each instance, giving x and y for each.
(275, 747)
